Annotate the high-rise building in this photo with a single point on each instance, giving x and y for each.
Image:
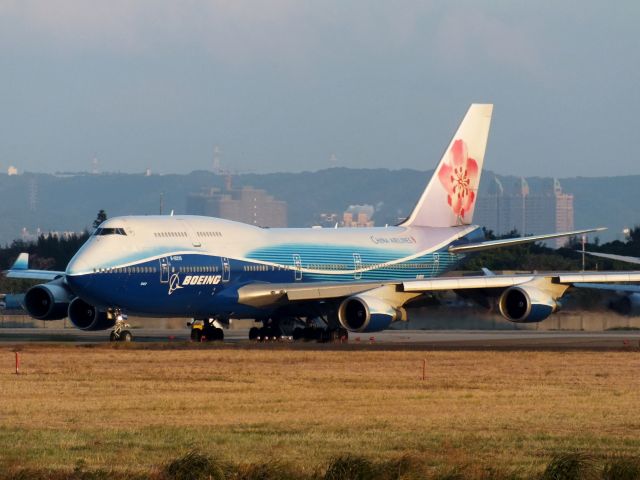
(546, 209)
(358, 216)
(246, 205)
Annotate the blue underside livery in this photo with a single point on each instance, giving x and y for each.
(157, 286)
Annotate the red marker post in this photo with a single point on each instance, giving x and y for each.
(424, 369)
(17, 363)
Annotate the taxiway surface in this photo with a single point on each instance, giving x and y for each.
(434, 339)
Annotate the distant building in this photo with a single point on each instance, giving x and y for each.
(11, 171)
(515, 207)
(358, 216)
(246, 205)
(328, 220)
(27, 236)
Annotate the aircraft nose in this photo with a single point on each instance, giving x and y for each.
(78, 265)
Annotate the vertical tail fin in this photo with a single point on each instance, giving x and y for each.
(450, 196)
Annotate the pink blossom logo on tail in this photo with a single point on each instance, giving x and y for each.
(459, 177)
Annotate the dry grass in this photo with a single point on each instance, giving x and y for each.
(132, 409)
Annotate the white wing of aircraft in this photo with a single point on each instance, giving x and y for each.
(354, 279)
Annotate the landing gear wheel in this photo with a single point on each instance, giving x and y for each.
(263, 333)
(275, 332)
(308, 334)
(196, 335)
(218, 334)
(342, 334)
(119, 334)
(254, 333)
(298, 333)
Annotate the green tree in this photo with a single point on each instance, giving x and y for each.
(102, 216)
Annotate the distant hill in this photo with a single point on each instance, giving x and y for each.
(71, 202)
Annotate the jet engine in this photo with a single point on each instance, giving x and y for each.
(526, 304)
(628, 304)
(87, 317)
(48, 301)
(365, 313)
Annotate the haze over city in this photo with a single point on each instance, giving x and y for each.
(284, 85)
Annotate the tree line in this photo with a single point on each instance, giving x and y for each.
(47, 252)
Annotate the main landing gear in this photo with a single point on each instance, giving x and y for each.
(299, 329)
(321, 335)
(120, 332)
(206, 330)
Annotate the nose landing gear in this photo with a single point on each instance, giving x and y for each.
(120, 332)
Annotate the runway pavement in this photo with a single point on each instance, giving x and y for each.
(389, 339)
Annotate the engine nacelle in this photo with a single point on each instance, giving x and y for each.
(87, 317)
(48, 301)
(365, 313)
(628, 304)
(526, 305)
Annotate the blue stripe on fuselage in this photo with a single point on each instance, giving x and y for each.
(195, 284)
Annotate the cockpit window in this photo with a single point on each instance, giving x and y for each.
(109, 231)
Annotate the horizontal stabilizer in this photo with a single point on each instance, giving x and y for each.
(507, 242)
(611, 256)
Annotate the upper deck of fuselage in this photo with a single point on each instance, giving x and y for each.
(126, 240)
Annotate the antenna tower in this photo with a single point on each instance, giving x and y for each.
(33, 195)
(216, 159)
(95, 163)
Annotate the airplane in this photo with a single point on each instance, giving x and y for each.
(353, 279)
(627, 297)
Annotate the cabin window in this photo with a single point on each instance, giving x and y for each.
(109, 231)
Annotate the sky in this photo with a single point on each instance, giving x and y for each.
(289, 85)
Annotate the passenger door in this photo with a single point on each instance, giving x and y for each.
(357, 264)
(165, 269)
(297, 263)
(226, 269)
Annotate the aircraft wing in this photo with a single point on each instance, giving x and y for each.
(505, 281)
(507, 242)
(264, 295)
(20, 269)
(610, 287)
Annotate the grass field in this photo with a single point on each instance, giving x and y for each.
(134, 409)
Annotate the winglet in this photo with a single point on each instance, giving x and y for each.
(22, 262)
(20, 269)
